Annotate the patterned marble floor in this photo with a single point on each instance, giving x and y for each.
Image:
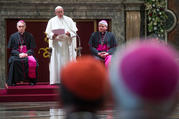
(47, 110)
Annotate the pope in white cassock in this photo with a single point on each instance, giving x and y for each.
(62, 45)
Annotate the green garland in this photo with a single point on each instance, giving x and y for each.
(156, 17)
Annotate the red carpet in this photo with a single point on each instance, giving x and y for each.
(26, 93)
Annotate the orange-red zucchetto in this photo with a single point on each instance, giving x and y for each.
(86, 78)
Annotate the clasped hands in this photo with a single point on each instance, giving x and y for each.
(55, 35)
(103, 54)
(23, 55)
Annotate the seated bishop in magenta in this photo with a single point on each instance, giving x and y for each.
(22, 64)
(102, 43)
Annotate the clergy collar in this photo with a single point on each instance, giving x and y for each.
(103, 33)
(21, 33)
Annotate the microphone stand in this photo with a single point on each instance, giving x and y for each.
(79, 48)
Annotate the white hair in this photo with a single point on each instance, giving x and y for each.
(58, 7)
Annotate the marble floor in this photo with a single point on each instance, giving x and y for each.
(36, 110)
(47, 110)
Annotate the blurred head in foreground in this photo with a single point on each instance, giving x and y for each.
(83, 85)
(144, 78)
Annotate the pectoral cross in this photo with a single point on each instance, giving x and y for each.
(21, 48)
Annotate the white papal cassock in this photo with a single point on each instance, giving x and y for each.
(63, 47)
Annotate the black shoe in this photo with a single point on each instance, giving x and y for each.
(14, 84)
(32, 84)
(56, 84)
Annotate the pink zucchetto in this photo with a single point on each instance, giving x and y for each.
(144, 76)
(104, 22)
(150, 71)
(21, 21)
